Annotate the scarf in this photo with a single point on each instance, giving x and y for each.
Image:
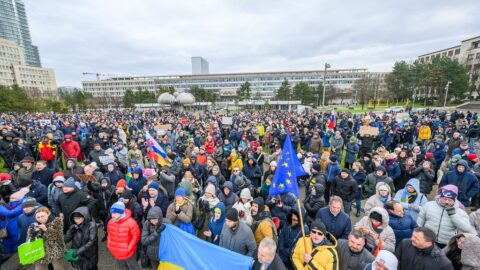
(384, 199)
(412, 196)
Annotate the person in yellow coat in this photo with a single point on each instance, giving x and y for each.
(321, 250)
(236, 161)
(261, 131)
(424, 133)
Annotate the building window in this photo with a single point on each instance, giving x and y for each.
(476, 45)
(478, 56)
(470, 56)
(457, 51)
(450, 53)
(444, 54)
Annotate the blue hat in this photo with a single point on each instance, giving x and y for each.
(180, 192)
(70, 182)
(138, 171)
(154, 185)
(448, 194)
(118, 207)
(133, 161)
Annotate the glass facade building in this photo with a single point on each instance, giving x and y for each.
(14, 27)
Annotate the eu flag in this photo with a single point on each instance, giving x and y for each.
(288, 169)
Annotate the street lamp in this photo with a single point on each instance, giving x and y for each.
(446, 93)
(324, 86)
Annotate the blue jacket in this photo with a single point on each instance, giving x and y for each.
(402, 197)
(289, 235)
(10, 213)
(340, 226)
(466, 182)
(216, 226)
(333, 169)
(24, 222)
(393, 170)
(288, 200)
(439, 154)
(402, 227)
(352, 151)
(137, 184)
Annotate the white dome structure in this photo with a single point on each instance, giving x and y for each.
(166, 98)
(185, 98)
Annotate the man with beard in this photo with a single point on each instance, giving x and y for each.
(352, 253)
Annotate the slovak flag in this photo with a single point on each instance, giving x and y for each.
(333, 120)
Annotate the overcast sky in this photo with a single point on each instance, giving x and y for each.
(153, 37)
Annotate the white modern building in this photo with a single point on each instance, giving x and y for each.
(467, 54)
(38, 82)
(199, 66)
(263, 84)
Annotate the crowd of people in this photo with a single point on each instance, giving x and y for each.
(82, 180)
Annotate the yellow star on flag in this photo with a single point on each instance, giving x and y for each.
(289, 174)
(282, 186)
(288, 181)
(285, 164)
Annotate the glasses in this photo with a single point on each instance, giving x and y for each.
(295, 219)
(317, 233)
(236, 170)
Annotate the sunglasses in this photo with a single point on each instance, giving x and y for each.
(317, 233)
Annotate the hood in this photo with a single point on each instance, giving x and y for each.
(380, 184)
(452, 188)
(320, 189)
(74, 161)
(384, 213)
(155, 212)
(261, 204)
(381, 168)
(138, 171)
(470, 251)
(68, 136)
(415, 183)
(221, 206)
(464, 163)
(250, 158)
(107, 179)
(83, 210)
(187, 186)
(294, 211)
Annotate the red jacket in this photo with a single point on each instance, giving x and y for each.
(47, 150)
(70, 149)
(209, 146)
(123, 237)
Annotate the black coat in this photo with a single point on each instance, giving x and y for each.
(345, 188)
(68, 202)
(409, 257)
(84, 238)
(44, 176)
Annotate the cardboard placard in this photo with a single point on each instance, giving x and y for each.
(163, 127)
(226, 120)
(44, 122)
(372, 131)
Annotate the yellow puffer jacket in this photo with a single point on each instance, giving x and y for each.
(236, 161)
(323, 257)
(424, 133)
(261, 130)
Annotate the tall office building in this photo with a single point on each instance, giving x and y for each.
(14, 27)
(199, 66)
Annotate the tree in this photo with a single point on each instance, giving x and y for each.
(361, 87)
(244, 92)
(129, 99)
(401, 81)
(284, 92)
(319, 93)
(14, 99)
(304, 93)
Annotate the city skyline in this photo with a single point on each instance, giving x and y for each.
(159, 38)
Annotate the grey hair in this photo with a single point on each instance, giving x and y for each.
(335, 199)
(268, 243)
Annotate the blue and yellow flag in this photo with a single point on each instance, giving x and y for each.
(157, 153)
(288, 169)
(182, 251)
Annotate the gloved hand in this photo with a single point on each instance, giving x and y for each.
(241, 214)
(450, 210)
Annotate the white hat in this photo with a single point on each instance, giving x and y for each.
(389, 260)
(273, 163)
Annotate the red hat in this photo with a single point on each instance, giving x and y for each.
(55, 175)
(121, 183)
(473, 157)
(5, 178)
(429, 155)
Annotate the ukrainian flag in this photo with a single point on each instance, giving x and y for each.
(182, 251)
(159, 154)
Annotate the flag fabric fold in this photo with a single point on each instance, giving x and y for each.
(288, 169)
(157, 153)
(180, 250)
(333, 120)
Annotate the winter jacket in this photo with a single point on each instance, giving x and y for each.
(68, 202)
(288, 200)
(434, 216)
(44, 176)
(123, 237)
(53, 240)
(410, 257)
(230, 199)
(426, 178)
(185, 214)
(216, 226)
(402, 227)
(70, 149)
(375, 200)
(46, 150)
(289, 235)
(253, 172)
(352, 152)
(24, 222)
(325, 256)
(333, 169)
(387, 236)
(313, 202)
(346, 189)
(466, 182)
(469, 259)
(114, 176)
(136, 185)
(167, 180)
(340, 226)
(39, 192)
(25, 174)
(84, 238)
(350, 260)
(372, 180)
(73, 172)
(240, 240)
(161, 201)
(393, 169)
(246, 209)
(10, 214)
(151, 234)
(402, 197)
(316, 146)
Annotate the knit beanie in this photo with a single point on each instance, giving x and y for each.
(245, 194)
(448, 194)
(180, 192)
(30, 202)
(232, 214)
(210, 189)
(216, 168)
(127, 194)
(154, 185)
(376, 216)
(317, 224)
(118, 208)
(70, 182)
(121, 183)
(333, 158)
(59, 178)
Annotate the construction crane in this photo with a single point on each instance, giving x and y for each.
(99, 75)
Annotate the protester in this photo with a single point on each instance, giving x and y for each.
(180, 212)
(352, 253)
(151, 233)
(266, 257)
(411, 198)
(336, 221)
(462, 251)
(378, 234)
(382, 196)
(236, 235)
(401, 224)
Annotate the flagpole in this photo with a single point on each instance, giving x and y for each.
(301, 224)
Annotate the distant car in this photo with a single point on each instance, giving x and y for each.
(396, 109)
(419, 110)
